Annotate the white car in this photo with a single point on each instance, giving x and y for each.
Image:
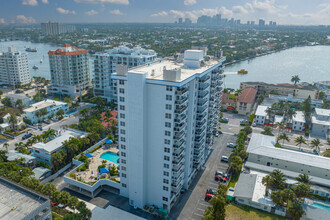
(231, 145)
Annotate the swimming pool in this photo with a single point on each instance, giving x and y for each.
(320, 206)
(71, 112)
(110, 156)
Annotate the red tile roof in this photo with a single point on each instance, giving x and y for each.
(248, 95)
(66, 45)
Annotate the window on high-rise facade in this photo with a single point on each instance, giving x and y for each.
(168, 97)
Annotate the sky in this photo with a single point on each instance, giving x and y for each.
(284, 12)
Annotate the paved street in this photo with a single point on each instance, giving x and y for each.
(192, 202)
(56, 126)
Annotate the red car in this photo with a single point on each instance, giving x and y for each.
(210, 193)
(220, 178)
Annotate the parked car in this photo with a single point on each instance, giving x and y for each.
(224, 159)
(254, 124)
(210, 193)
(221, 173)
(217, 134)
(231, 145)
(243, 121)
(26, 136)
(224, 119)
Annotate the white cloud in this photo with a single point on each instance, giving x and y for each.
(160, 14)
(30, 2)
(2, 21)
(91, 12)
(190, 2)
(45, 1)
(21, 19)
(118, 2)
(239, 10)
(116, 12)
(65, 11)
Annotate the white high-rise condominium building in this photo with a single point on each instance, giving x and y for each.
(105, 64)
(69, 71)
(168, 113)
(55, 28)
(14, 68)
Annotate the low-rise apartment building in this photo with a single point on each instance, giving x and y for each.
(321, 123)
(43, 151)
(14, 97)
(315, 103)
(42, 110)
(9, 125)
(264, 156)
(298, 121)
(261, 115)
(243, 103)
(282, 89)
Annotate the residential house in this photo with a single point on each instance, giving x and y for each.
(243, 103)
(261, 115)
(315, 103)
(14, 97)
(8, 125)
(298, 121)
(321, 123)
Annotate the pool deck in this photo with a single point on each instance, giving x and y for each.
(95, 161)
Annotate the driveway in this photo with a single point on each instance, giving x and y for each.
(191, 204)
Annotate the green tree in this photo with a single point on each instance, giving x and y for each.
(277, 198)
(278, 181)
(303, 178)
(260, 99)
(81, 205)
(299, 141)
(217, 210)
(268, 182)
(13, 121)
(315, 144)
(267, 131)
(30, 182)
(60, 113)
(3, 156)
(19, 104)
(295, 210)
(283, 137)
(288, 195)
(295, 79)
(64, 198)
(72, 202)
(235, 164)
(48, 189)
(302, 190)
(6, 145)
(6, 102)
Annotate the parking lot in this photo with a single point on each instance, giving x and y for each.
(195, 205)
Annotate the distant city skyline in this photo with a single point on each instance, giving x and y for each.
(293, 12)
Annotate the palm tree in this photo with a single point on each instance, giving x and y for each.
(295, 79)
(269, 112)
(295, 210)
(278, 179)
(290, 113)
(13, 121)
(303, 178)
(302, 190)
(267, 181)
(299, 141)
(267, 131)
(283, 137)
(315, 144)
(277, 197)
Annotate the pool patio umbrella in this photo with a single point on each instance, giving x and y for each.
(108, 141)
(104, 170)
(89, 155)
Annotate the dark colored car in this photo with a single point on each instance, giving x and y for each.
(26, 136)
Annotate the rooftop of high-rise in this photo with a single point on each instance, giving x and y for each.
(67, 50)
(135, 51)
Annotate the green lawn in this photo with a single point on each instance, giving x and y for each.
(235, 212)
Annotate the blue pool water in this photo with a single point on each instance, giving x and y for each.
(320, 206)
(110, 156)
(71, 112)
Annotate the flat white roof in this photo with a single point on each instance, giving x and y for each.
(322, 112)
(155, 70)
(320, 122)
(259, 193)
(264, 145)
(55, 144)
(299, 117)
(278, 118)
(43, 104)
(261, 110)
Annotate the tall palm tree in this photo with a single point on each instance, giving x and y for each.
(267, 181)
(290, 113)
(13, 121)
(295, 210)
(303, 178)
(315, 144)
(295, 79)
(278, 181)
(269, 112)
(283, 137)
(299, 141)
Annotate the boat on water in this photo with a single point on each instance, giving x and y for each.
(30, 50)
(40, 60)
(242, 71)
(35, 67)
